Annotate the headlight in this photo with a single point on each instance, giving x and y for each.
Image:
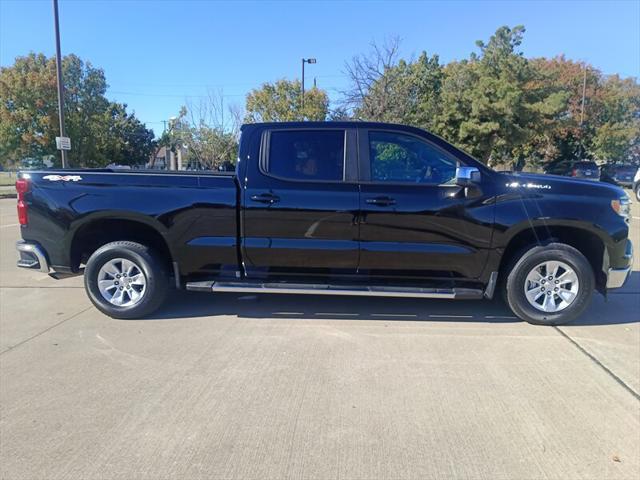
(622, 207)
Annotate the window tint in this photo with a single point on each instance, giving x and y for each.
(396, 157)
(307, 154)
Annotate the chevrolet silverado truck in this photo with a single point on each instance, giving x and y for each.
(330, 208)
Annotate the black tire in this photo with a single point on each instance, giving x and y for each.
(638, 192)
(156, 277)
(515, 284)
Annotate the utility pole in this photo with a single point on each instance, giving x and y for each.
(310, 61)
(584, 94)
(303, 62)
(63, 152)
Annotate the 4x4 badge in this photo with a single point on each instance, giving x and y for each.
(63, 178)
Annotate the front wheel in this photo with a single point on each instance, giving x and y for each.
(125, 280)
(638, 192)
(550, 285)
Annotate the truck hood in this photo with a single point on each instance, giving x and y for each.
(559, 185)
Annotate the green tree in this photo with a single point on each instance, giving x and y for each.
(496, 104)
(282, 102)
(101, 131)
(503, 108)
(617, 120)
(606, 129)
(27, 108)
(126, 140)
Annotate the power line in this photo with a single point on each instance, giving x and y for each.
(173, 95)
(146, 94)
(214, 85)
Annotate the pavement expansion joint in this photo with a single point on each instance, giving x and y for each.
(600, 364)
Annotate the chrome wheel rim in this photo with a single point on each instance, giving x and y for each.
(121, 282)
(551, 286)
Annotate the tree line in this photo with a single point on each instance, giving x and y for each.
(102, 131)
(505, 109)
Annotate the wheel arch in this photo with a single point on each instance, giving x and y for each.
(98, 230)
(585, 240)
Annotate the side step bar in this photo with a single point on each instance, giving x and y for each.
(324, 289)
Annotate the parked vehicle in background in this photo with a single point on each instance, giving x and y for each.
(331, 209)
(585, 169)
(636, 184)
(115, 166)
(32, 164)
(620, 174)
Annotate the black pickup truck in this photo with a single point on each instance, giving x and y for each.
(330, 209)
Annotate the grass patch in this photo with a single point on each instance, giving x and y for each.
(7, 178)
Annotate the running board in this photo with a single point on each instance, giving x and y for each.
(324, 289)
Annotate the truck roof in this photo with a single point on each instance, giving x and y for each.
(329, 124)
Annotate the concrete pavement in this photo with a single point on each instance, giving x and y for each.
(232, 386)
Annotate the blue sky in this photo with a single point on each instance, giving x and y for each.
(159, 54)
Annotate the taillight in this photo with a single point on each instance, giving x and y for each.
(22, 187)
(574, 172)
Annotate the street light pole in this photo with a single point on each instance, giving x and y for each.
(63, 153)
(305, 60)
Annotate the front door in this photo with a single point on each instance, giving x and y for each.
(301, 204)
(416, 223)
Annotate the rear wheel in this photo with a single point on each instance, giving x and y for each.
(126, 280)
(550, 285)
(638, 192)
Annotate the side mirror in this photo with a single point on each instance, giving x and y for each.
(467, 176)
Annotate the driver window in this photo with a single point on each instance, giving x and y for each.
(396, 157)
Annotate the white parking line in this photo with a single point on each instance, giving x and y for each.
(340, 314)
(10, 225)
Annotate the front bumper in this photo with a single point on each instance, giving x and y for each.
(616, 277)
(32, 256)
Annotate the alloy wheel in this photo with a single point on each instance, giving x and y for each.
(551, 286)
(122, 282)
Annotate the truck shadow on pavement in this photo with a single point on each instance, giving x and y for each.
(620, 308)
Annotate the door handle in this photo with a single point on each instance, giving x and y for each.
(269, 198)
(381, 201)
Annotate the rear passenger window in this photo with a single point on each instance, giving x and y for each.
(307, 155)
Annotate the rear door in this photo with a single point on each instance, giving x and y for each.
(416, 223)
(301, 201)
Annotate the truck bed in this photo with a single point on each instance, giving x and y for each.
(195, 213)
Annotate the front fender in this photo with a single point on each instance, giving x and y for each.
(516, 213)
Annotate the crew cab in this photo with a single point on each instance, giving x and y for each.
(330, 208)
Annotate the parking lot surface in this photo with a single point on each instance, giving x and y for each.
(266, 387)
